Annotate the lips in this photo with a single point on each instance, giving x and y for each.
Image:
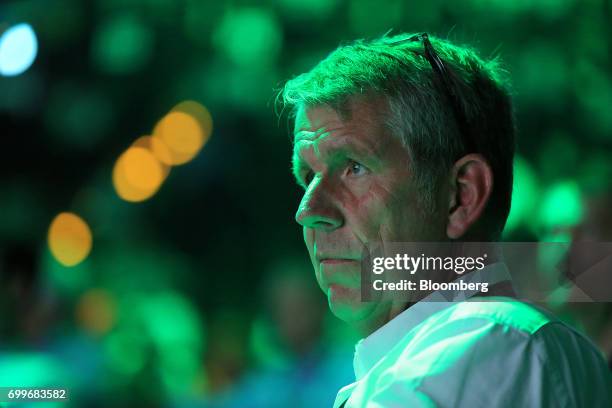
(335, 257)
(339, 271)
(336, 261)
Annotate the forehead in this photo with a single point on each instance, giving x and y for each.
(322, 135)
(356, 115)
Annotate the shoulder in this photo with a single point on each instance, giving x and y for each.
(483, 324)
(502, 347)
(497, 328)
(510, 320)
(512, 314)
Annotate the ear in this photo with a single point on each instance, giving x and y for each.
(471, 185)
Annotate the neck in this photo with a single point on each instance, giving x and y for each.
(384, 314)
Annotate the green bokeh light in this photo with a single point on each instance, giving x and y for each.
(561, 205)
(250, 37)
(126, 350)
(68, 281)
(161, 330)
(122, 45)
(170, 320)
(31, 370)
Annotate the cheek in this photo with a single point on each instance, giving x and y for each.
(309, 240)
(368, 212)
(392, 214)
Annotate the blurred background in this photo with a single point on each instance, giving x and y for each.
(148, 253)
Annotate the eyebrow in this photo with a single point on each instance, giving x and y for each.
(304, 134)
(345, 148)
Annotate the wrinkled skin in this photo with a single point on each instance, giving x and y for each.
(359, 190)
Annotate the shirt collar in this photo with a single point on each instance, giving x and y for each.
(370, 350)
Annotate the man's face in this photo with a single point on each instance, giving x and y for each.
(359, 190)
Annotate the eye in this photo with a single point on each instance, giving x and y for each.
(357, 169)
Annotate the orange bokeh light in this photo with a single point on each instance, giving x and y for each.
(137, 174)
(184, 131)
(96, 311)
(69, 239)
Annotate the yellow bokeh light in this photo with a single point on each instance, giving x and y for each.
(96, 311)
(69, 239)
(183, 131)
(199, 113)
(137, 174)
(159, 150)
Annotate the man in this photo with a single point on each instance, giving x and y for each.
(410, 139)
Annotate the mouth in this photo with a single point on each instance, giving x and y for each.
(324, 257)
(336, 261)
(339, 271)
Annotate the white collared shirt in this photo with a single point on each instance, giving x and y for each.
(495, 352)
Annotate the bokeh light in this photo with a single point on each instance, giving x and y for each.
(30, 369)
(137, 174)
(250, 37)
(18, 49)
(162, 324)
(122, 45)
(183, 131)
(96, 311)
(176, 331)
(125, 351)
(159, 149)
(67, 280)
(69, 238)
(561, 205)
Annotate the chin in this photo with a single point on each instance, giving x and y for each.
(347, 306)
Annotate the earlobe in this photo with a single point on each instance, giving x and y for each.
(471, 186)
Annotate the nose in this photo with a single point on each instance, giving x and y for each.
(317, 209)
